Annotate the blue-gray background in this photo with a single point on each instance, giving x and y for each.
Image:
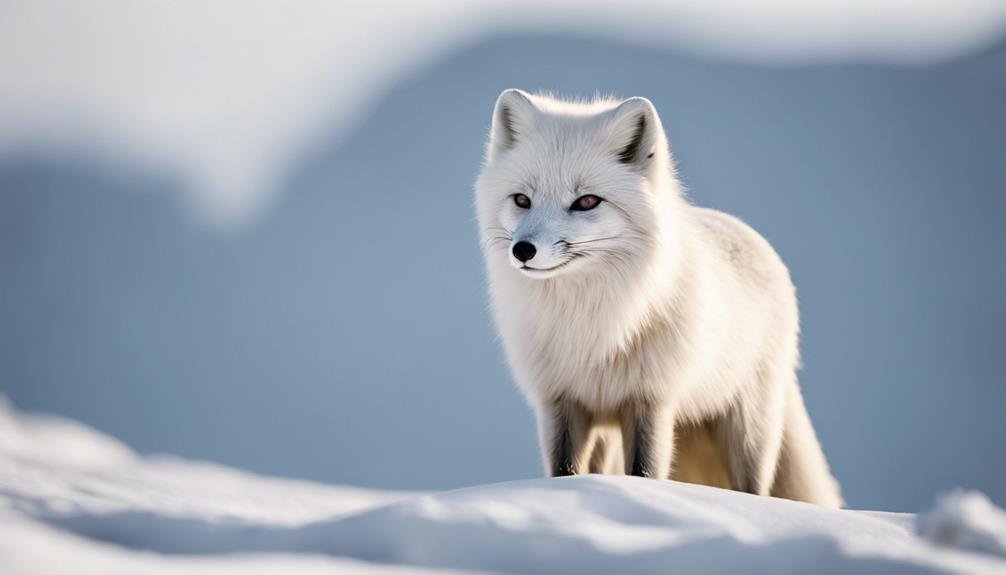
(344, 336)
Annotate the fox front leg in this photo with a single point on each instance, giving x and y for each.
(565, 429)
(647, 439)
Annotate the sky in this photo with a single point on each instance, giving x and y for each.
(228, 93)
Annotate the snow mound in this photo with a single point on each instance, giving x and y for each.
(966, 520)
(75, 501)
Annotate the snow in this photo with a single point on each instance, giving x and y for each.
(227, 93)
(75, 501)
(967, 520)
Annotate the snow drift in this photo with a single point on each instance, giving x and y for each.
(74, 500)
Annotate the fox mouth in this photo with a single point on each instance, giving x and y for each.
(528, 270)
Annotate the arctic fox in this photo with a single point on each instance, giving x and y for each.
(624, 308)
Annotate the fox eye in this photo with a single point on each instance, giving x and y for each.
(585, 203)
(522, 201)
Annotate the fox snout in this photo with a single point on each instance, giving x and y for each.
(537, 259)
(523, 251)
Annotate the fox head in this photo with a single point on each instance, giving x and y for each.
(570, 189)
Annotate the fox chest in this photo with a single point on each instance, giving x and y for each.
(575, 360)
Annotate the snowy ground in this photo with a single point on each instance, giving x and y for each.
(75, 501)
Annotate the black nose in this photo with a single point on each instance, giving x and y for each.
(523, 251)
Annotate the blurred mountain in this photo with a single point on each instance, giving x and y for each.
(351, 320)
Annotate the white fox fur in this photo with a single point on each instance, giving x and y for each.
(645, 315)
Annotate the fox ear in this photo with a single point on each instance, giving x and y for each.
(512, 120)
(634, 133)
